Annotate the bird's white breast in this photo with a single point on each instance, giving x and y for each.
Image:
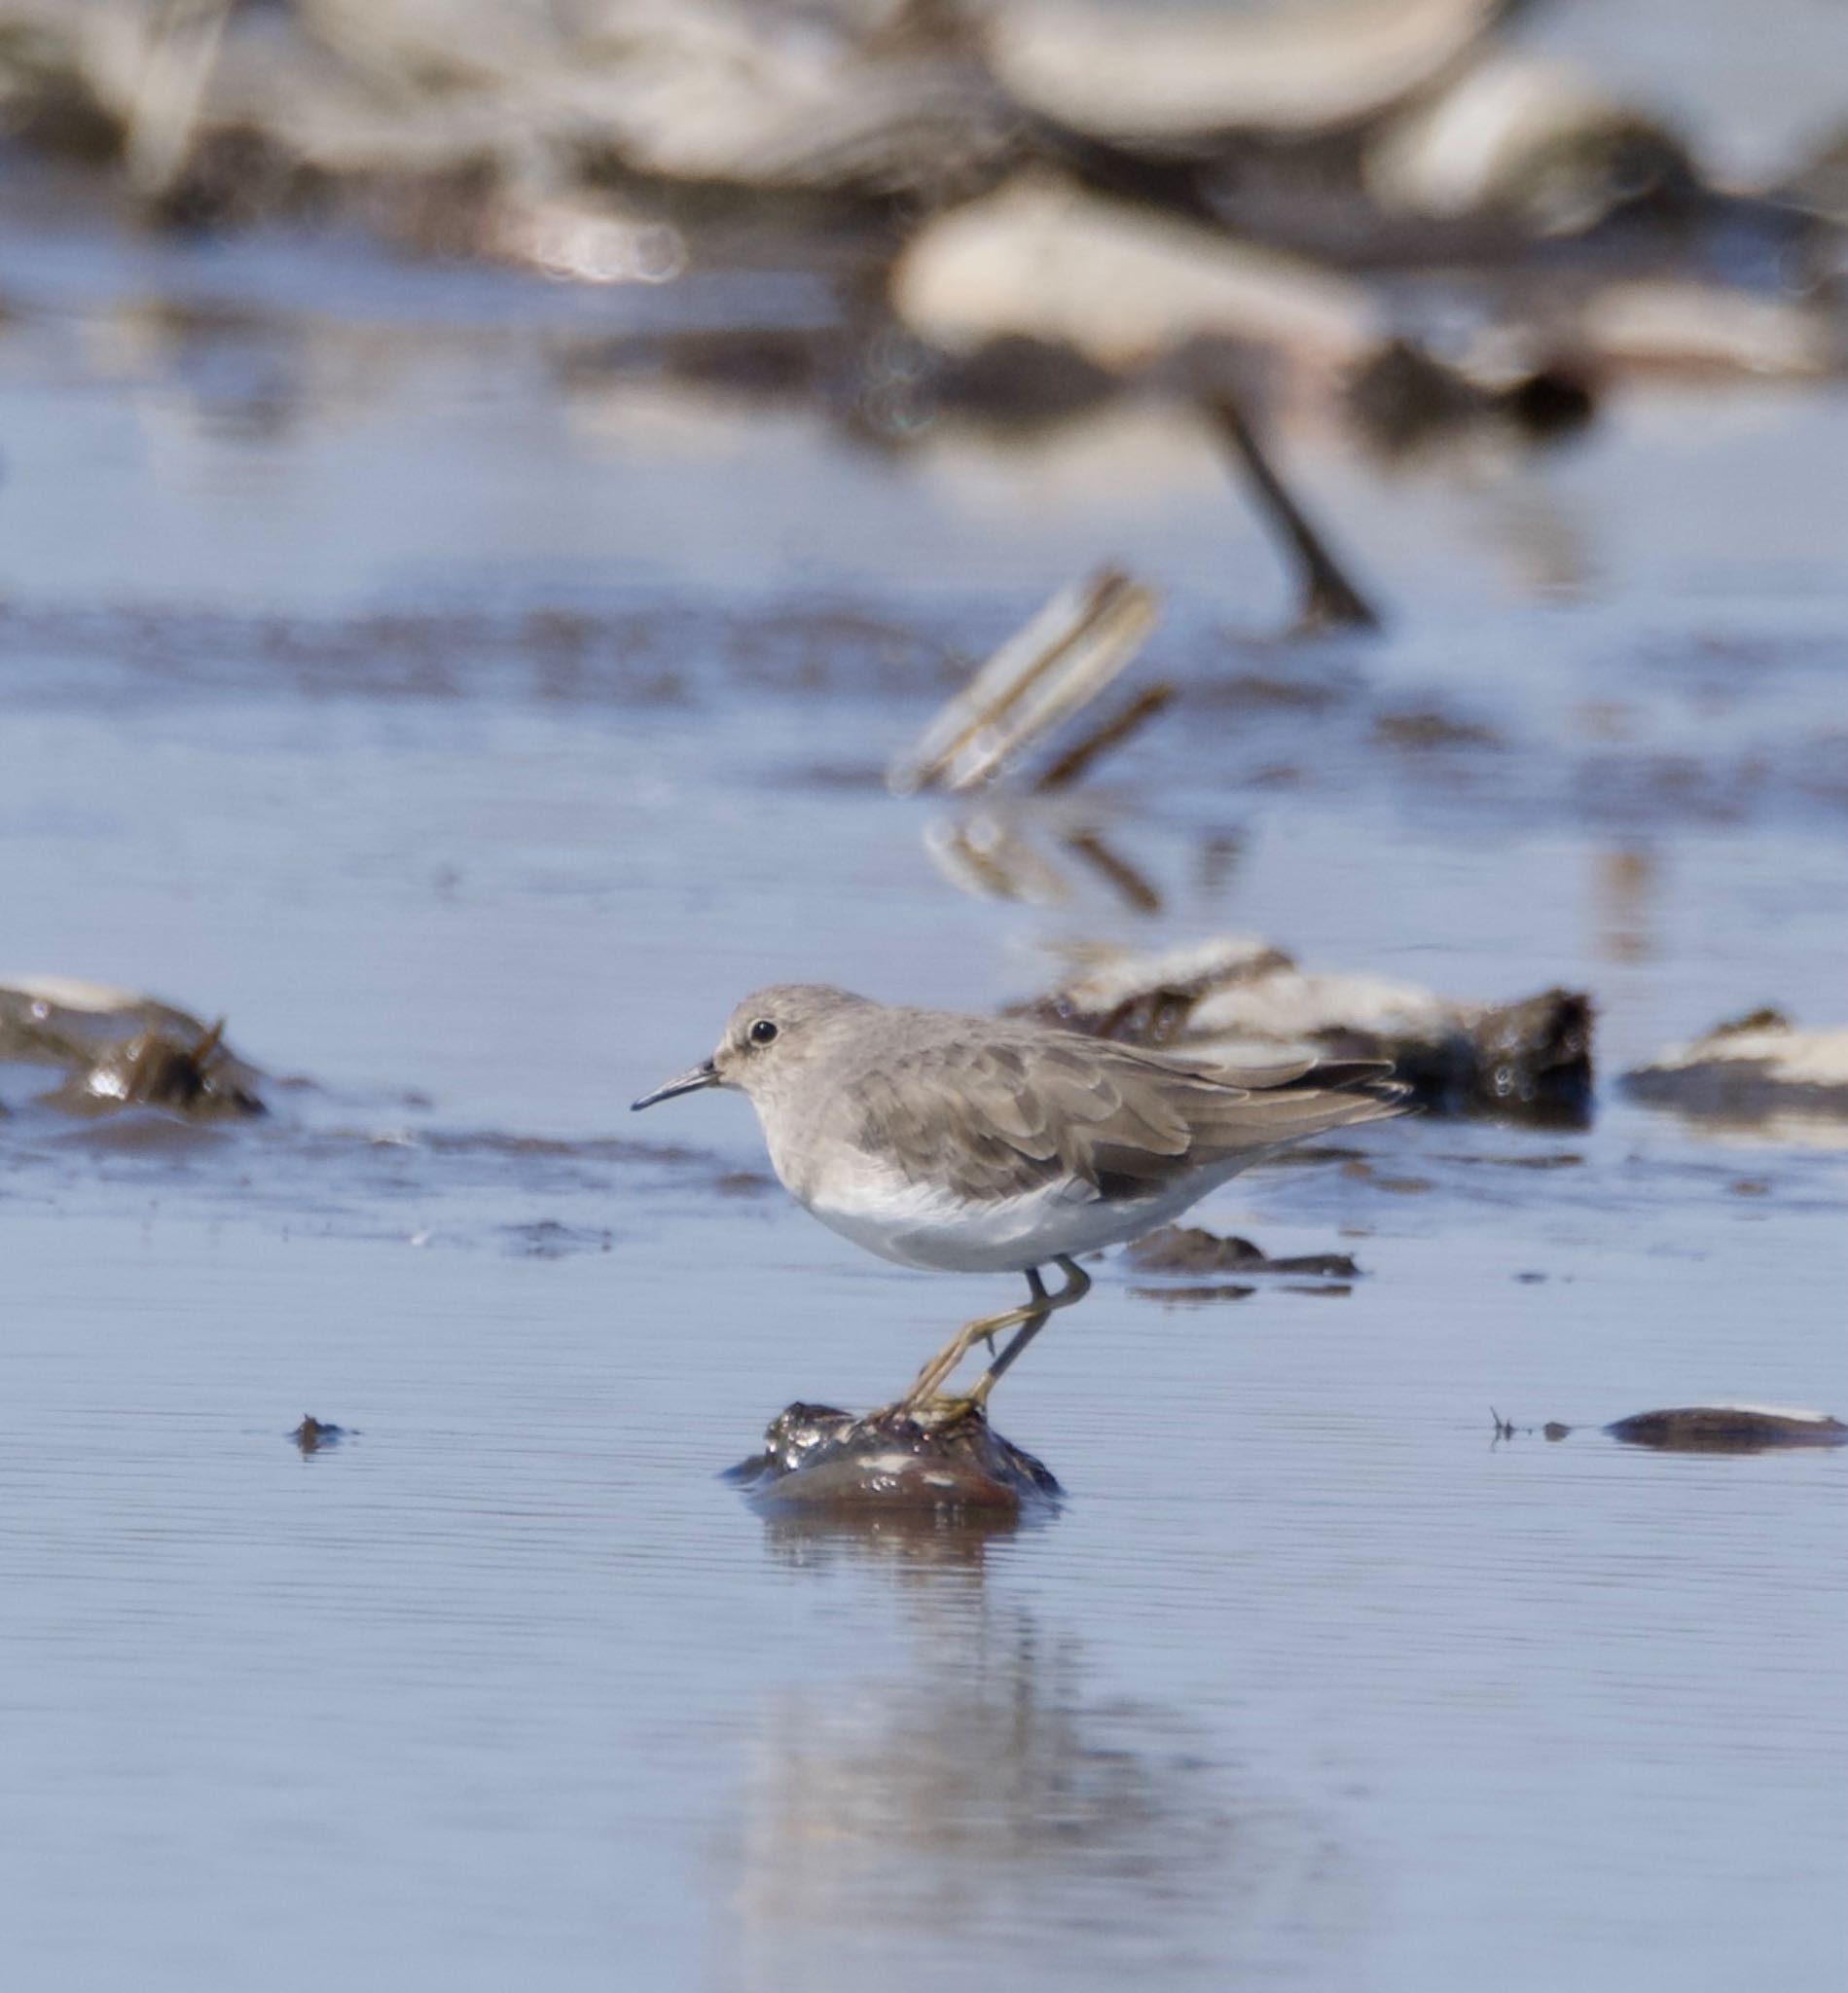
(864, 1199)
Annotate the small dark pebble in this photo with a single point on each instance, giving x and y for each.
(817, 1458)
(1192, 1249)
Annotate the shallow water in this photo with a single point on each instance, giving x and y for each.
(472, 741)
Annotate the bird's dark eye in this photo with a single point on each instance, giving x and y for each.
(762, 1031)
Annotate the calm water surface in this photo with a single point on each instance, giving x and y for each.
(472, 745)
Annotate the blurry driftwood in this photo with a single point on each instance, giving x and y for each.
(718, 92)
(1057, 663)
(1685, 323)
(117, 1050)
(1235, 1001)
(1163, 75)
(1539, 142)
(1753, 1068)
(1193, 1249)
(166, 98)
(1042, 259)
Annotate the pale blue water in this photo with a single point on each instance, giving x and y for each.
(1311, 1684)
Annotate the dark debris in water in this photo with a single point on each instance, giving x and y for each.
(1193, 1249)
(551, 1239)
(817, 1459)
(191, 1076)
(317, 1435)
(1424, 729)
(1750, 1068)
(1195, 1294)
(1530, 1060)
(1402, 400)
(1705, 1429)
(1728, 1428)
(119, 1050)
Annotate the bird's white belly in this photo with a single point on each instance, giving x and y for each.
(918, 1226)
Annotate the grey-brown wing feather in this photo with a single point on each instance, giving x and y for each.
(985, 1120)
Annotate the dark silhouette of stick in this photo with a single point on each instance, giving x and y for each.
(1329, 599)
(1113, 732)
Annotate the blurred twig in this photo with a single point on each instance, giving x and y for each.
(180, 48)
(1329, 599)
(1050, 667)
(1108, 733)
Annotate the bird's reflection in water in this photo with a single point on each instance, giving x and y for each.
(974, 1799)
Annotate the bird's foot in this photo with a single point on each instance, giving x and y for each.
(931, 1414)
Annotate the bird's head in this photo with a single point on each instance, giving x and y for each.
(770, 1035)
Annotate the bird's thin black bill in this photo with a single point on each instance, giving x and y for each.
(689, 1083)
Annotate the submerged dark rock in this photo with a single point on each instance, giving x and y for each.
(820, 1459)
(1728, 1429)
(1193, 1249)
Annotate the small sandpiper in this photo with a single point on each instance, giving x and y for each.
(978, 1145)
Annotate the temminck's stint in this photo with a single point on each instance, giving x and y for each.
(976, 1144)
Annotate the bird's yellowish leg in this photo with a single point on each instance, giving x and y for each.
(1029, 1318)
(925, 1386)
(1077, 1285)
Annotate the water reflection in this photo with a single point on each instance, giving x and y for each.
(1036, 855)
(976, 1788)
(1627, 889)
(1541, 538)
